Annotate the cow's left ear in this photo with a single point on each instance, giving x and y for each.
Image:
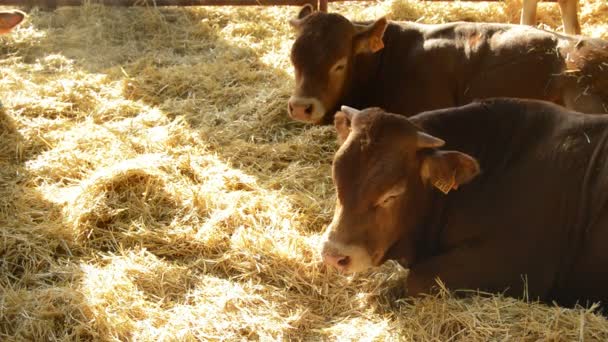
(305, 11)
(368, 38)
(447, 170)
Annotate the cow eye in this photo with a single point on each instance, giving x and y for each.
(386, 201)
(390, 196)
(339, 66)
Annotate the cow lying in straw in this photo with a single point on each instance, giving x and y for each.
(9, 20)
(408, 68)
(531, 200)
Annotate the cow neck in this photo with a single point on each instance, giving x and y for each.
(458, 130)
(366, 71)
(591, 208)
(424, 240)
(428, 234)
(497, 138)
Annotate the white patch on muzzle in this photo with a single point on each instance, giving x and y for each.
(360, 259)
(300, 109)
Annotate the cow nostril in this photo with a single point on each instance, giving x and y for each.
(290, 106)
(309, 109)
(344, 261)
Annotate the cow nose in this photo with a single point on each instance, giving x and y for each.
(300, 108)
(308, 109)
(305, 109)
(340, 262)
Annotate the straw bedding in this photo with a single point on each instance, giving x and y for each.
(152, 188)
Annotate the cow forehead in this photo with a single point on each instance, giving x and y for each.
(373, 158)
(382, 128)
(323, 38)
(362, 177)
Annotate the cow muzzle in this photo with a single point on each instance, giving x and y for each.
(347, 259)
(305, 109)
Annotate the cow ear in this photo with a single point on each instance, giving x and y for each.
(447, 170)
(305, 11)
(10, 19)
(368, 39)
(342, 123)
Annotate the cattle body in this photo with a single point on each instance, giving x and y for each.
(481, 196)
(408, 68)
(568, 9)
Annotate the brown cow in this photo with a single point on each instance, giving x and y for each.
(10, 19)
(568, 9)
(531, 200)
(408, 68)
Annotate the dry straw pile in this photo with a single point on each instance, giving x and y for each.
(152, 187)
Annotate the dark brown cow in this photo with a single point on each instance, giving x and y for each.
(10, 19)
(531, 200)
(408, 68)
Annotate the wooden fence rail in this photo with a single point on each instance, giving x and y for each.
(129, 3)
(320, 4)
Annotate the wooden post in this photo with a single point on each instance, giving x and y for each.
(323, 5)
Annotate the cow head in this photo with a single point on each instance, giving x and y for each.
(10, 19)
(384, 173)
(322, 56)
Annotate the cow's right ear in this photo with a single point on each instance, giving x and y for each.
(368, 39)
(305, 11)
(342, 123)
(447, 170)
(10, 19)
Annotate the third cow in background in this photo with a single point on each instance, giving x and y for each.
(566, 7)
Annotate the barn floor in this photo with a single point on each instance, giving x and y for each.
(152, 187)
